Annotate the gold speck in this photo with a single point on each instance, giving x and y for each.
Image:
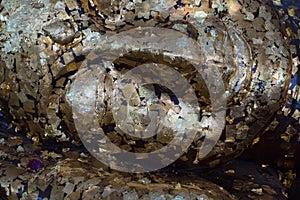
(4, 86)
(256, 140)
(291, 11)
(285, 137)
(36, 141)
(65, 150)
(184, 158)
(229, 119)
(277, 2)
(230, 171)
(289, 31)
(230, 140)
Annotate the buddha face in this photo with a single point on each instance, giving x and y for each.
(63, 52)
